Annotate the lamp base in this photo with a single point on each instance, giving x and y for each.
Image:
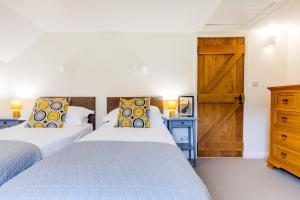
(171, 113)
(16, 114)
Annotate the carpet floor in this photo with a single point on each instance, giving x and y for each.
(246, 179)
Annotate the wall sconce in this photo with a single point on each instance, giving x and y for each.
(143, 69)
(270, 42)
(172, 105)
(16, 107)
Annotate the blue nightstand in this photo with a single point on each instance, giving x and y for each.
(6, 123)
(190, 124)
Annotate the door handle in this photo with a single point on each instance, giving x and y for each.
(283, 136)
(283, 155)
(240, 98)
(285, 101)
(284, 119)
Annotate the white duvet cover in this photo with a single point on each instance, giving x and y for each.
(108, 132)
(49, 140)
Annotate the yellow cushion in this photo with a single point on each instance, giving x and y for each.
(134, 113)
(48, 113)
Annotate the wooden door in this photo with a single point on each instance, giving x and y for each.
(220, 96)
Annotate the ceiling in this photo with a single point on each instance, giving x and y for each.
(138, 15)
(114, 15)
(242, 12)
(23, 22)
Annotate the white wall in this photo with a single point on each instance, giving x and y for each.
(271, 67)
(293, 71)
(16, 33)
(268, 68)
(103, 64)
(3, 90)
(286, 19)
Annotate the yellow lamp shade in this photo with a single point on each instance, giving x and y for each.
(16, 105)
(171, 104)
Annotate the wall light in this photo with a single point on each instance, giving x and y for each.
(172, 105)
(143, 69)
(16, 107)
(270, 42)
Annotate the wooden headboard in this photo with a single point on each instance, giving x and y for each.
(86, 102)
(113, 102)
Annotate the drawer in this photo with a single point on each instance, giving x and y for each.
(5, 124)
(287, 138)
(286, 100)
(290, 119)
(9, 123)
(181, 123)
(287, 157)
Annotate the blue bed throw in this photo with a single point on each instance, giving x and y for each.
(15, 157)
(109, 170)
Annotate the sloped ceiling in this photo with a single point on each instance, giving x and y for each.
(23, 22)
(286, 18)
(16, 34)
(243, 13)
(114, 15)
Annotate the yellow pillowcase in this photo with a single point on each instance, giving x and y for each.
(134, 113)
(48, 113)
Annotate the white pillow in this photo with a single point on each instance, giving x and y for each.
(155, 117)
(111, 116)
(78, 115)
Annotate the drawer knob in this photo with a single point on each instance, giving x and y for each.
(283, 155)
(284, 137)
(284, 119)
(285, 101)
(182, 123)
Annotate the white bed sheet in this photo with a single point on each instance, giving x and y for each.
(49, 140)
(108, 132)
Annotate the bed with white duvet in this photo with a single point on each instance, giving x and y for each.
(21, 147)
(109, 164)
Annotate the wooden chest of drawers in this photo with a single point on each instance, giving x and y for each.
(285, 129)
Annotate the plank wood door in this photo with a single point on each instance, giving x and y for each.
(220, 96)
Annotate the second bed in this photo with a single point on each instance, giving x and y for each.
(22, 147)
(113, 163)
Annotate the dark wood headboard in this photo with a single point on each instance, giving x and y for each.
(113, 102)
(86, 102)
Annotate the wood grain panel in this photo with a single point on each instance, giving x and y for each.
(220, 84)
(285, 128)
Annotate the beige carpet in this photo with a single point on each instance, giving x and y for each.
(246, 179)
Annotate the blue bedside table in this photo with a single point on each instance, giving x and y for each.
(190, 124)
(6, 123)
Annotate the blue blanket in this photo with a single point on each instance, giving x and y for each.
(15, 157)
(105, 170)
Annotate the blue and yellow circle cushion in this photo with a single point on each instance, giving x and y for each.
(134, 113)
(48, 113)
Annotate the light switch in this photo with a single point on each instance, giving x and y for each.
(255, 83)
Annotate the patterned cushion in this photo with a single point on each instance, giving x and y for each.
(134, 113)
(48, 113)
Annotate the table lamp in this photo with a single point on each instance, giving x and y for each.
(171, 104)
(16, 107)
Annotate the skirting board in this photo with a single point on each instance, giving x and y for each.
(255, 155)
